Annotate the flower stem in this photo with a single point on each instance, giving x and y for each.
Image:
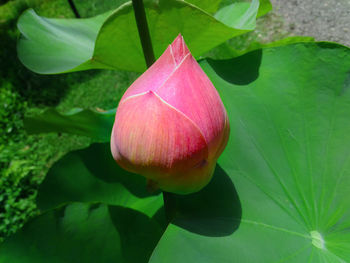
(141, 21)
(169, 206)
(74, 9)
(142, 27)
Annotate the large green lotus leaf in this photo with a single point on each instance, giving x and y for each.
(94, 124)
(288, 157)
(111, 40)
(91, 175)
(84, 233)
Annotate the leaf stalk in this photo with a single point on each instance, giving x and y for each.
(74, 8)
(142, 27)
(169, 206)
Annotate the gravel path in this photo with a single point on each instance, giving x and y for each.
(327, 20)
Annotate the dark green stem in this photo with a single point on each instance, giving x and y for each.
(169, 206)
(74, 9)
(142, 27)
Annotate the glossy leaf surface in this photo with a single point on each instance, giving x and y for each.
(111, 40)
(288, 157)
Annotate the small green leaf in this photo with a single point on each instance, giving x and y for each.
(94, 124)
(49, 45)
(84, 233)
(288, 157)
(111, 40)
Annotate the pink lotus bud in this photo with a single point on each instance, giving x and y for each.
(171, 125)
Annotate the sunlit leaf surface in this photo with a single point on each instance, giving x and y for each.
(288, 157)
(111, 40)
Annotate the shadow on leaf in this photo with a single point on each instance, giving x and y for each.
(98, 159)
(89, 175)
(213, 211)
(138, 233)
(240, 70)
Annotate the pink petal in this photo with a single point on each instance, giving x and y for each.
(152, 138)
(158, 73)
(154, 76)
(190, 91)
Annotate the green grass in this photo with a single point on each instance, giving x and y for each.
(24, 160)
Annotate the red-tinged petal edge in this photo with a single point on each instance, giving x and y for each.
(189, 90)
(223, 139)
(152, 138)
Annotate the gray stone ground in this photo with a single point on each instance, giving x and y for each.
(327, 20)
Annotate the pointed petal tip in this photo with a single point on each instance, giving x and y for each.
(178, 41)
(179, 49)
(151, 94)
(179, 37)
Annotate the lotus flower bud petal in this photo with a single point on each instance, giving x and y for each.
(171, 125)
